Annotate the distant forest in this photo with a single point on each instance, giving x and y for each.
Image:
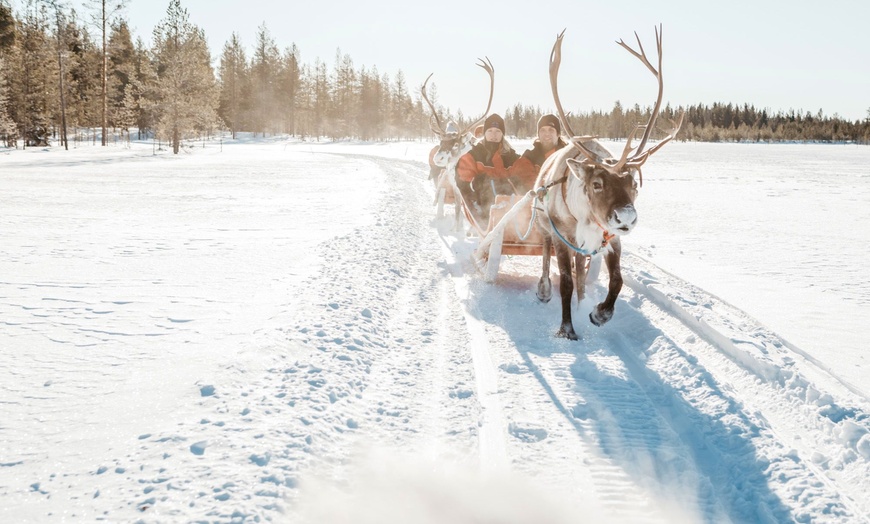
(70, 76)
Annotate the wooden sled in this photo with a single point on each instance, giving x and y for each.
(510, 231)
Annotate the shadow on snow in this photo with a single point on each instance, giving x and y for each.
(638, 419)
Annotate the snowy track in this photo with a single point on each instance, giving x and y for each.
(682, 408)
(383, 369)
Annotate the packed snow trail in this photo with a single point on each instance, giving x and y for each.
(662, 442)
(378, 377)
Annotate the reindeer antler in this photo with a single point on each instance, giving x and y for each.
(640, 156)
(626, 159)
(555, 61)
(650, 125)
(439, 130)
(487, 66)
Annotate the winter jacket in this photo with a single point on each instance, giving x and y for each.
(479, 161)
(527, 167)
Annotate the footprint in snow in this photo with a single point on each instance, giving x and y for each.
(514, 369)
(206, 391)
(261, 460)
(527, 433)
(461, 393)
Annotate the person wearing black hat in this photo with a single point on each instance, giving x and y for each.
(483, 172)
(526, 169)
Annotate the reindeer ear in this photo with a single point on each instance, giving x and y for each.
(577, 168)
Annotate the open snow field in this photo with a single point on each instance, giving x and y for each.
(271, 330)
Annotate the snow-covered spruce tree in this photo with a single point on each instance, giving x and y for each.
(186, 92)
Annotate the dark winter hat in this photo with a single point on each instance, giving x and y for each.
(550, 120)
(494, 120)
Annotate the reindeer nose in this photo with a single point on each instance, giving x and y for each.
(624, 218)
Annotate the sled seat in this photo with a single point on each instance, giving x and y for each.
(511, 244)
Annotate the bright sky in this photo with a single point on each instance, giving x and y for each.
(774, 54)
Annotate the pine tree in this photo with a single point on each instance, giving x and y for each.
(264, 74)
(104, 13)
(82, 77)
(289, 84)
(344, 96)
(121, 94)
(7, 125)
(8, 129)
(321, 102)
(402, 117)
(36, 85)
(186, 93)
(60, 49)
(142, 86)
(232, 72)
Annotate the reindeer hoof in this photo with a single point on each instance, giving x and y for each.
(566, 332)
(600, 316)
(545, 290)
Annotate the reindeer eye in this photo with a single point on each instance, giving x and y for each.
(597, 186)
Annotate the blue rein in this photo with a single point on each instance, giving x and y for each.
(543, 192)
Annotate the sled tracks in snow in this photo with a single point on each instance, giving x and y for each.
(802, 430)
(682, 408)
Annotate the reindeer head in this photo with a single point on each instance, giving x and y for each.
(449, 146)
(453, 142)
(611, 196)
(611, 184)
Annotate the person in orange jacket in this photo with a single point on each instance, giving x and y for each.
(483, 172)
(525, 169)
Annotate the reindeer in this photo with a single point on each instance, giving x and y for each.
(453, 143)
(587, 197)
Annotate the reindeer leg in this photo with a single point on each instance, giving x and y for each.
(580, 275)
(457, 215)
(604, 311)
(457, 209)
(566, 289)
(545, 286)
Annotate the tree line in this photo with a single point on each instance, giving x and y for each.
(716, 123)
(63, 75)
(52, 68)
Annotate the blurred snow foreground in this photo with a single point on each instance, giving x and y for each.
(390, 490)
(278, 330)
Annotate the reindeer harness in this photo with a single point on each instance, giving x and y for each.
(542, 192)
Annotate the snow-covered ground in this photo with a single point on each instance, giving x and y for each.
(278, 330)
